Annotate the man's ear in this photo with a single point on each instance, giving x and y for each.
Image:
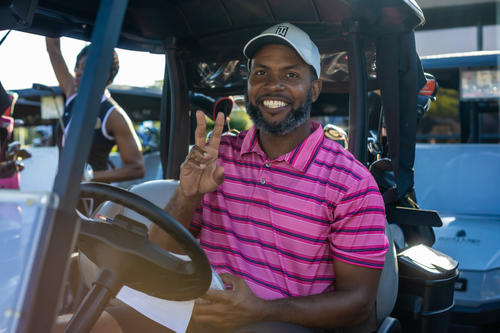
(316, 86)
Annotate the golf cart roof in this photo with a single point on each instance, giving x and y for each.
(211, 33)
(218, 29)
(462, 59)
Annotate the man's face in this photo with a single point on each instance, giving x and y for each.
(279, 91)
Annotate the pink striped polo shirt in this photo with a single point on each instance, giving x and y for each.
(280, 223)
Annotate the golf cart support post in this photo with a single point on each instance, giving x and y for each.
(61, 237)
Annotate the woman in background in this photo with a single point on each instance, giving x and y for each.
(113, 126)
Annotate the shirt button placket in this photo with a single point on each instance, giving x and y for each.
(267, 165)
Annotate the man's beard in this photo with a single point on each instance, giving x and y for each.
(293, 120)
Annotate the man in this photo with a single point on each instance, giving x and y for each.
(290, 220)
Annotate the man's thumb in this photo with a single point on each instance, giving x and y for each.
(219, 175)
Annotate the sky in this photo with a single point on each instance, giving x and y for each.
(24, 61)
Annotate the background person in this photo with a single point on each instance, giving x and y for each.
(113, 126)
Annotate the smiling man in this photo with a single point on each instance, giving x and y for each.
(290, 220)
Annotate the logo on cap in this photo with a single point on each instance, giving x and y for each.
(282, 31)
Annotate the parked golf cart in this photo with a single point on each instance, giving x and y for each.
(463, 184)
(366, 46)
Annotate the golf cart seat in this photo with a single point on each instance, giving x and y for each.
(159, 192)
(387, 294)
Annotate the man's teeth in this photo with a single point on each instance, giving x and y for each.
(274, 104)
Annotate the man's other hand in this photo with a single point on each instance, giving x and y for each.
(230, 308)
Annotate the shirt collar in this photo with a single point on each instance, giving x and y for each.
(300, 158)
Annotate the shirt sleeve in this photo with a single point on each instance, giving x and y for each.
(358, 229)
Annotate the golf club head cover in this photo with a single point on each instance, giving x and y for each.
(211, 106)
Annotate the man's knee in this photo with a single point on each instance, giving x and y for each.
(105, 324)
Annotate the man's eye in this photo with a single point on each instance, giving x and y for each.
(294, 75)
(260, 73)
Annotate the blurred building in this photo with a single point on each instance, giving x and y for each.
(460, 45)
(458, 26)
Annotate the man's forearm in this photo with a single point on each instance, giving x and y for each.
(349, 305)
(182, 209)
(329, 310)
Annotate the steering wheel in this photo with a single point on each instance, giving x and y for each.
(123, 248)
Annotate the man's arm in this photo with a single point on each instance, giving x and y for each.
(63, 75)
(349, 305)
(199, 175)
(181, 208)
(129, 148)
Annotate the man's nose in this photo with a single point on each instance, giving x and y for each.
(275, 83)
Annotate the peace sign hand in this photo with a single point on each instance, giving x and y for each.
(199, 172)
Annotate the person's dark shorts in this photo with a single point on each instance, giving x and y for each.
(131, 321)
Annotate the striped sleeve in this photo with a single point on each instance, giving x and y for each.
(358, 229)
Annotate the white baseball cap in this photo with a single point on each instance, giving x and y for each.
(291, 36)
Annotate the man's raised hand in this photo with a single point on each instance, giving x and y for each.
(199, 172)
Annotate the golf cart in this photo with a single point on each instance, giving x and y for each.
(468, 207)
(366, 46)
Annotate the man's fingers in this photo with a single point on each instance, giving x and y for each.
(228, 279)
(215, 295)
(213, 314)
(198, 153)
(217, 133)
(194, 164)
(197, 157)
(201, 129)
